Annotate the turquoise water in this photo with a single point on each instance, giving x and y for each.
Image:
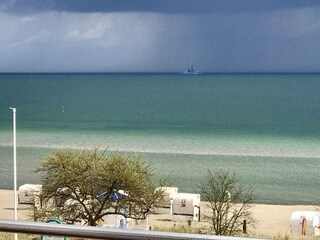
(263, 127)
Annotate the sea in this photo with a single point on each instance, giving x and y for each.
(264, 128)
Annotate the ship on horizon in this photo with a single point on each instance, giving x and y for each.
(191, 70)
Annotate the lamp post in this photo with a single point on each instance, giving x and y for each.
(15, 167)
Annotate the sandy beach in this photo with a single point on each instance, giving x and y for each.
(270, 219)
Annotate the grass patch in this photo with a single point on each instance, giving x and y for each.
(10, 236)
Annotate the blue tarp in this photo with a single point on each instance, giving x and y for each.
(114, 196)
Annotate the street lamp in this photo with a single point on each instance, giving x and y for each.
(14, 167)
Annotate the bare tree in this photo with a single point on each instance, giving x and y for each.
(229, 203)
(86, 185)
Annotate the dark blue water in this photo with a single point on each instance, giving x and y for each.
(270, 104)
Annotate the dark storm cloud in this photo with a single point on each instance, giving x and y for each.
(160, 6)
(159, 35)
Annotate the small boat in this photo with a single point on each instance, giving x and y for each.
(191, 70)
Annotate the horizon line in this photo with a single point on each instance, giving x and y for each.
(150, 72)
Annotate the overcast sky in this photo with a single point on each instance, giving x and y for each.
(159, 35)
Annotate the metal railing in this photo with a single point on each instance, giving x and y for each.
(101, 232)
